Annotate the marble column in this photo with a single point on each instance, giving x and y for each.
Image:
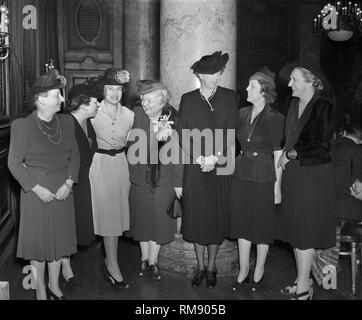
(141, 43)
(191, 29)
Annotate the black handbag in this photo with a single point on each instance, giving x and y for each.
(174, 209)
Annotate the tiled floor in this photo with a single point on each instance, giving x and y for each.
(88, 266)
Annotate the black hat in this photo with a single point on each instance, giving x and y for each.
(314, 68)
(147, 86)
(113, 76)
(49, 81)
(210, 64)
(264, 74)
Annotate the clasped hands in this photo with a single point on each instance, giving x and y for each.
(46, 195)
(207, 164)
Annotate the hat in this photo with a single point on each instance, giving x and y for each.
(49, 81)
(147, 86)
(81, 89)
(210, 64)
(264, 74)
(113, 76)
(312, 66)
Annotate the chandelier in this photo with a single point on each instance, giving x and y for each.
(4, 33)
(340, 21)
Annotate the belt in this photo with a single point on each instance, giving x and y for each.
(266, 156)
(111, 152)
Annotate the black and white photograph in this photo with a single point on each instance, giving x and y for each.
(180, 155)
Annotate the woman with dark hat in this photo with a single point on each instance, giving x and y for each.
(44, 159)
(307, 220)
(153, 185)
(109, 175)
(214, 108)
(256, 182)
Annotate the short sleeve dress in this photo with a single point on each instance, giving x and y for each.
(253, 212)
(109, 175)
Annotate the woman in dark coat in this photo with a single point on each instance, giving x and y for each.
(307, 220)
(256, 182)
(207, 176)
(153, 185)
(347, 165)
(44, 159)
(83, 106)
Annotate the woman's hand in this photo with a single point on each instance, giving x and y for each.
(62, 193)
(43, 193)
(178, 192)
(283, 160)
(356, 189)
(208, 164)
(277, 193)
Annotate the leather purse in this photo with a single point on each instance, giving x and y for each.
(174, 209)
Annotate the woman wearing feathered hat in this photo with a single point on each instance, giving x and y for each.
(44, 159)
(109, 174)
(153, 185)
(204, 219)
(307, 220)
(256, 182)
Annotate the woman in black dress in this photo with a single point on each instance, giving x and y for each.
(205, 186)
(307, 220)
(153, 185)
(256, 183)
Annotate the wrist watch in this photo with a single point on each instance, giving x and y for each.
(291, 154)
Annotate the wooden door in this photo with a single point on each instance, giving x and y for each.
(91, 39)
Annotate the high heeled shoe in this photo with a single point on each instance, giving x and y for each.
(53, 296)
(255, 285)
(114, 282)
(144, 268)
(211, 278)
(292, 288)
(238, 285)
(198, 277)
(308, 294)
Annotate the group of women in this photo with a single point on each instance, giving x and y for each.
(283, 161)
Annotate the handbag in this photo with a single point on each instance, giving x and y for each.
(174, 209)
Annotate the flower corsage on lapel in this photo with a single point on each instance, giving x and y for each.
(163, 127)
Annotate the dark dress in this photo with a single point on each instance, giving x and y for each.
(253, 212)
(148, 217)
(82, 191)
(307, 217)
(47, 230)
(347, 166)
(205, 195)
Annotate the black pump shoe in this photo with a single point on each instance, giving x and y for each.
(211, 278)
(198, 277)
(53, 296)
(238, 285)
(115, 283)
(255, 285)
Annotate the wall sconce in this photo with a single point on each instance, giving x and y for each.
(338, 21)
(4, 32)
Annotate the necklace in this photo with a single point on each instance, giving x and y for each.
(253, 126)
(43, 127)
(207, 99)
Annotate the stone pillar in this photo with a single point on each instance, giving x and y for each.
(141, 43)
(191, 29)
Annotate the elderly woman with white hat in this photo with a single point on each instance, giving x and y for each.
(109, 175)
(44, 159)
(214, 108)
(256, 182)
